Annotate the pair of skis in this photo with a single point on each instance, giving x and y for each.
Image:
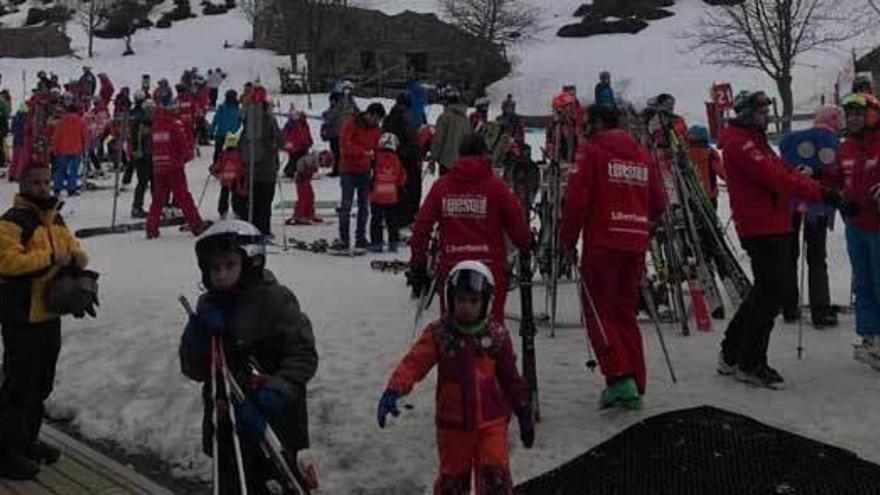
(225, 391)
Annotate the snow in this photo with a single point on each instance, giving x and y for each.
(120, 373)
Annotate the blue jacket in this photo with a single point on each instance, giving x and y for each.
(815, 148)
(227, 120)
(604, 95)
(418, 100)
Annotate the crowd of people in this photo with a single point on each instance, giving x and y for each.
(615, 196)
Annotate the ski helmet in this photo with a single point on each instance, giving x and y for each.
(747, 103)
(232, 235)
(388, 141)
(865, 102)
(473, 277)
(563, 99)
(698, 133)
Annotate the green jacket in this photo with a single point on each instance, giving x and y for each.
(452, 126)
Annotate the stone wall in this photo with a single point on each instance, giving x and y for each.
(33, 42)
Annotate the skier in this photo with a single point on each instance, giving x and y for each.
(566, 127)
(266, 144)
(388, 181)
(20, 151)
(399, 123)
(358, 143)
(474, 210)
(142, 153)
(35, 244)
(106, 91)
(452, 126)
(87, 82)
(297, 140)
(706, 160)
(227, 120)
(418, 99)
(186, 111)
(812, 151)
(332, 121)
(69, 140)
(761, 188)
(604, 93)
(512, 123)
(859, 177)
(478, 386)
(163, 95)
(215, 80)
(306, 167)
(97, 120)
(662, 121)
(480, 116)
(171, 150)
(260, 323)
(5, 115)
(614, 195)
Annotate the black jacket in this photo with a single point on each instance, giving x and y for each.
(265, 324)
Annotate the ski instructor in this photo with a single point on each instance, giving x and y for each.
(761, 188)
(474, 210)
(614, 195)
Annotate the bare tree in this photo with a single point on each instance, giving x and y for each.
(493, 21)
(770, 35)
(90, 14)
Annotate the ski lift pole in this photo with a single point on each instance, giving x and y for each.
(803, 256)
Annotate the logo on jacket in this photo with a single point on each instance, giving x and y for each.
(161, 137)
(465, 206)
(627, 172)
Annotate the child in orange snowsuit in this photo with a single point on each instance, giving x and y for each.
(706, 160)
(305, 169)
(478, 386)
(389, 177)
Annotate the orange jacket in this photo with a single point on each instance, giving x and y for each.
(356, 142)
(387, 178)
(70, 135)
(709, 167)
(477, 380)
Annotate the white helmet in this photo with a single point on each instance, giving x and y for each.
(388, 141)
(229, 235)
(470, 276)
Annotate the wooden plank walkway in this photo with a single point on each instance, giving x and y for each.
(81, 470)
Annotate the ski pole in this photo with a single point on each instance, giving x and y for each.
(655, 319)
(591, 360)
(236, 442)
(800, 346)
(204, 190)
(599, 323)
(215, 448)
(283, 224)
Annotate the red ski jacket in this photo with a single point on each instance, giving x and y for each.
(613, 195)
(171, 147)
(187, 109)
(474, 209)
(297, 138)
(857, 171)
(709, 167)
(477, 381)
(760, 184)
(356, 142)
(69, 137)
(105, 94)
(388, 176)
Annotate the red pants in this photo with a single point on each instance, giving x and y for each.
(612, 279)
(172, 182)
(499, 296)
(481, 454)
(305, 200)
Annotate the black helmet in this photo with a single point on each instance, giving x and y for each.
(472, 277)
(232, 235)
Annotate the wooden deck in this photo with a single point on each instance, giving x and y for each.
(81, 470)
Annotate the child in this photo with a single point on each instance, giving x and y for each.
(229, 169)
(306, 167)
(389, 178)
(478, 385)
(706, 160)
(261, 323)
(297, 140)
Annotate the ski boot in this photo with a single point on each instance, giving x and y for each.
(41, 452)
(16, 466)
(624, 393)
(375, 248)
(868, 352)
(824, 318)
(138, 213)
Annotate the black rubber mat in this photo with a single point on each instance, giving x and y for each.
(709, 451)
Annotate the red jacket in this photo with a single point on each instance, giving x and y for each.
(171, 148)
(614, 195)
(760, 184)
(187, 109)
(709, 167)
(106, 92)
(70, 136)
(858, 170)
(357, 143)
(388, 176)
(474, 209)
(477, 380)
(297, 138)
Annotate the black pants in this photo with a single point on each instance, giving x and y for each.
(264, 194)
(144, 169)
(815, 235)
(219, 141)
(213, 93)
(384, 215)
(30, 353)
(748, 335)
(334, 148)
(223, 201)
(410, 207)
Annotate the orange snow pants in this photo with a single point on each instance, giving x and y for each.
(481, 454)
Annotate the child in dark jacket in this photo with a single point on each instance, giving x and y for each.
(478, 386)
(261, 325)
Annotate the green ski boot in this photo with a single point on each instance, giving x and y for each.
(622, 393)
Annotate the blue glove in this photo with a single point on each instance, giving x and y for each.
(526, 426)
(210, 319)
(251, 414)
(387, 405)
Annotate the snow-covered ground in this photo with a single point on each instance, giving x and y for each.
(120, 371)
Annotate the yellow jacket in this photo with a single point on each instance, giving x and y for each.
(30, 241)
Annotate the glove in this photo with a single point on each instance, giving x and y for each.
(251, 414)
(834, 199)
(526, 426)
(208, 322)
(387, 404)
(418, 279)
